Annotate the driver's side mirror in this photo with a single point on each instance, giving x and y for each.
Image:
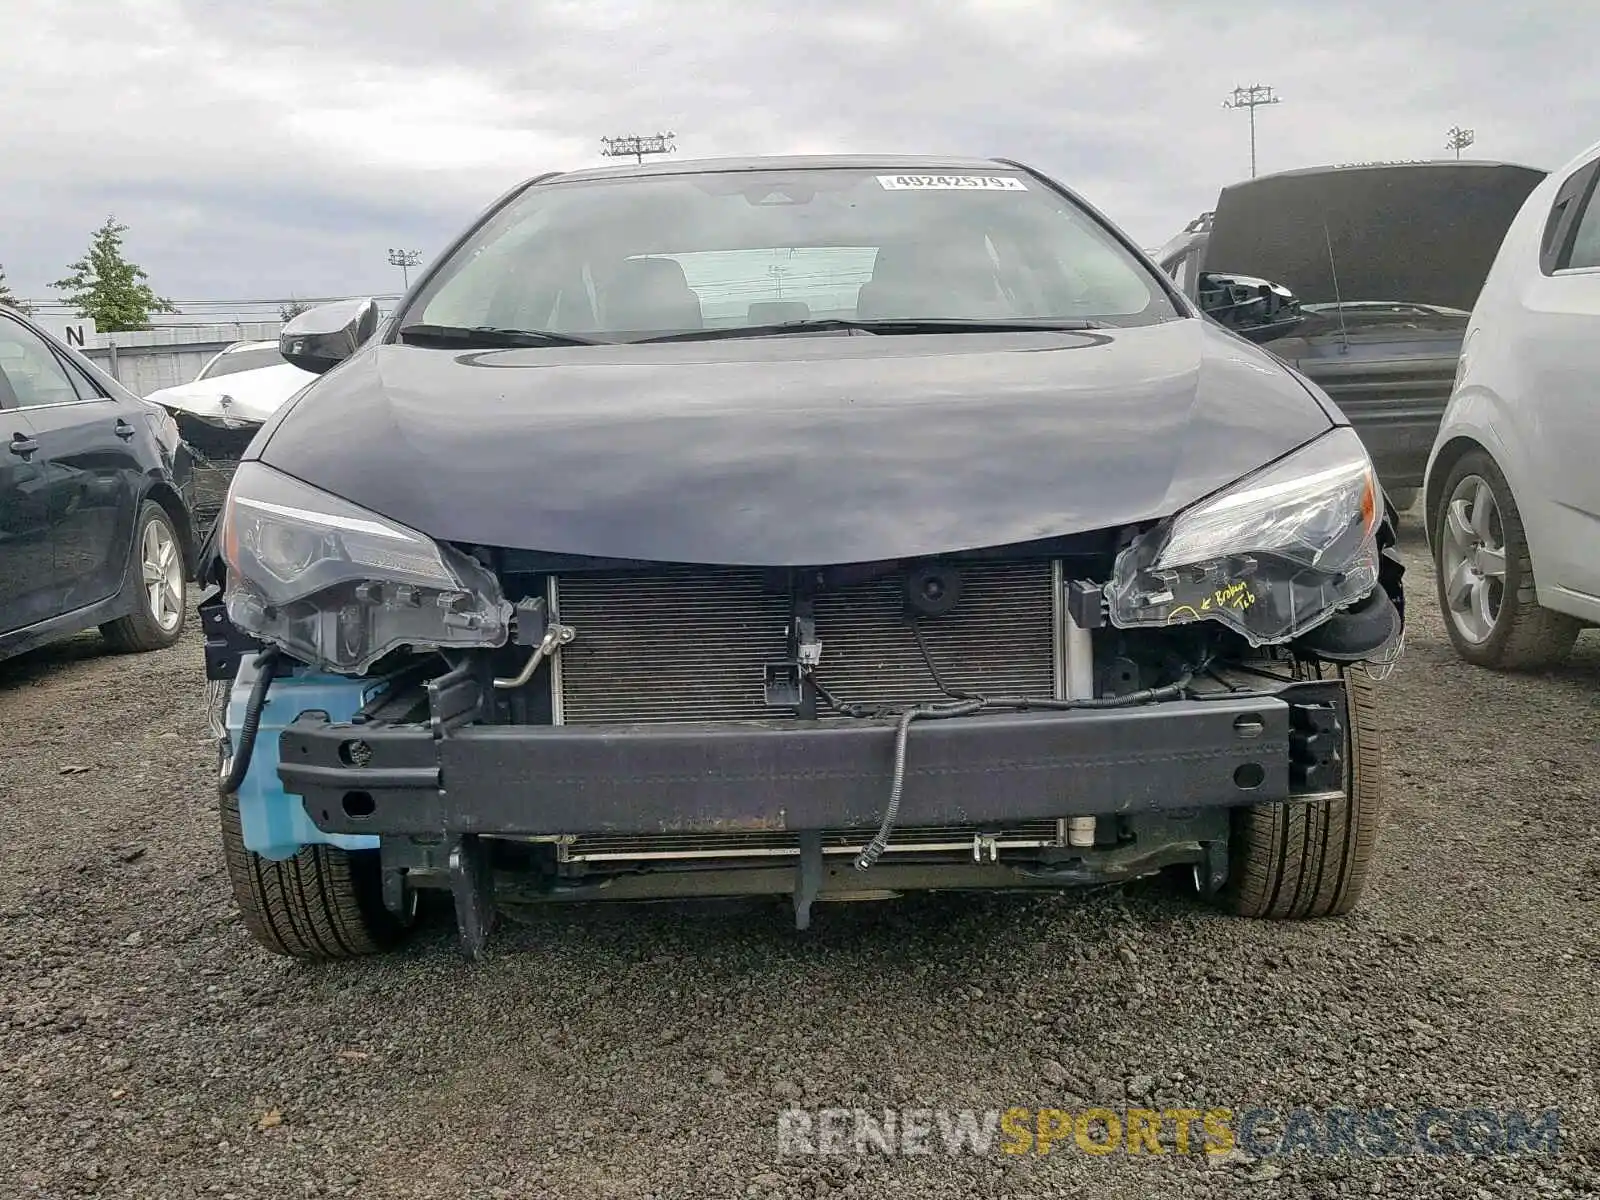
(1256, 309)
(321, 338)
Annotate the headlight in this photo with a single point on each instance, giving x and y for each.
(1272, 556)
(338, 586)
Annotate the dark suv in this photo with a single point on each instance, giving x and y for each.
(1386, 261)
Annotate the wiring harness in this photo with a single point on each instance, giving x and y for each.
(966, 704)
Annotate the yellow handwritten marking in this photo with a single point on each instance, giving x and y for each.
(1236, 596)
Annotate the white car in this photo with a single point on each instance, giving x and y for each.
(1512, 491)
(237, 390)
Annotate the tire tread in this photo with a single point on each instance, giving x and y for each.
(312, 905)
(1301, 861)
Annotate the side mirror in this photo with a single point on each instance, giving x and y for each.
(321, 338)
(1256, 309)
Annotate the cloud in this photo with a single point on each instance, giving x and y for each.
(258, 150)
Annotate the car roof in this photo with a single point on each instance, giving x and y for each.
(1587, 156)
(1399, 164)
(237, 347)
(788, 162)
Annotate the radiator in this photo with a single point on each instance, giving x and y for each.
(692, 644)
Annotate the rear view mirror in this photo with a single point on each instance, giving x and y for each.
(1256, 309)
(321, 338)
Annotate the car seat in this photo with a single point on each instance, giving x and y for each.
(650, 294)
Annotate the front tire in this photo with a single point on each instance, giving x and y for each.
(324, 903)
(1303, 860)
(156, 576)
(1483, 573)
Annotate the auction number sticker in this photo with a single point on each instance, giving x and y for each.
(952, 183)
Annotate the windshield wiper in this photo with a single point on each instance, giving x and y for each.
(488, 337)
(890, 326)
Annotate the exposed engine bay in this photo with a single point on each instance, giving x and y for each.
(892, 647)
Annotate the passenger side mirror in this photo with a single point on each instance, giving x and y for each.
(321, 338)
(1256, 309)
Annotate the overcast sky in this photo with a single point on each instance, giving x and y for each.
(262, 148)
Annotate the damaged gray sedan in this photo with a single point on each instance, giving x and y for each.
(814, 527)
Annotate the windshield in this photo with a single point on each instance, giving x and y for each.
(232, 361)
(617, 259)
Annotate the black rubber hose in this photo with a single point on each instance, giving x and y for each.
(873, 850)
(964, 704)
(240, 766)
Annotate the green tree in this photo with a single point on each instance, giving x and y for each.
(292, 309)
(6, 298)
(107, 288)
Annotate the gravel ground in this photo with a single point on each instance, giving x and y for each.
(148, 1048)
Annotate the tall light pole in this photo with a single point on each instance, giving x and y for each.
(1459, 139)
(1252, 98)
(637, 145)
(405, 260)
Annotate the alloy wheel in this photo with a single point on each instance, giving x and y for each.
(161, 567)
(1472, 559)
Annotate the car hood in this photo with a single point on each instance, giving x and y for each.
(795, 450)
(253, 395)
(1424, 232)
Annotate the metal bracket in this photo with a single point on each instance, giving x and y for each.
(781, 686)
(394, 890)
(985, 844)
(807, 876)
(556, 635)
(807, 646)
(1211, 873)
(454, 699)
(472, 886)
(786, 683)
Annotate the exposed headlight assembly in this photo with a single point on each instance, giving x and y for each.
(1271, 556)
(339, 587)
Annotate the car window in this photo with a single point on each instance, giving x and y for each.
(86, 387)
(37, 377)
(617, 258)
(794, 283)
(1556, 245)
(233, 361)
(1586, 241)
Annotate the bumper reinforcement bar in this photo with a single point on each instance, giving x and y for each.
(641, 779)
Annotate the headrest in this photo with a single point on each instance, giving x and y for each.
(650, 293)
(932, 279)
(924, 262)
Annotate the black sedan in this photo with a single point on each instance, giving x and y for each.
(827, 527)
(95, 527)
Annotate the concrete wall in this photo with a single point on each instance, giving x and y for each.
(149, 359)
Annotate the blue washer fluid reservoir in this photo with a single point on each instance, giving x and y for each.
(274, 821)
